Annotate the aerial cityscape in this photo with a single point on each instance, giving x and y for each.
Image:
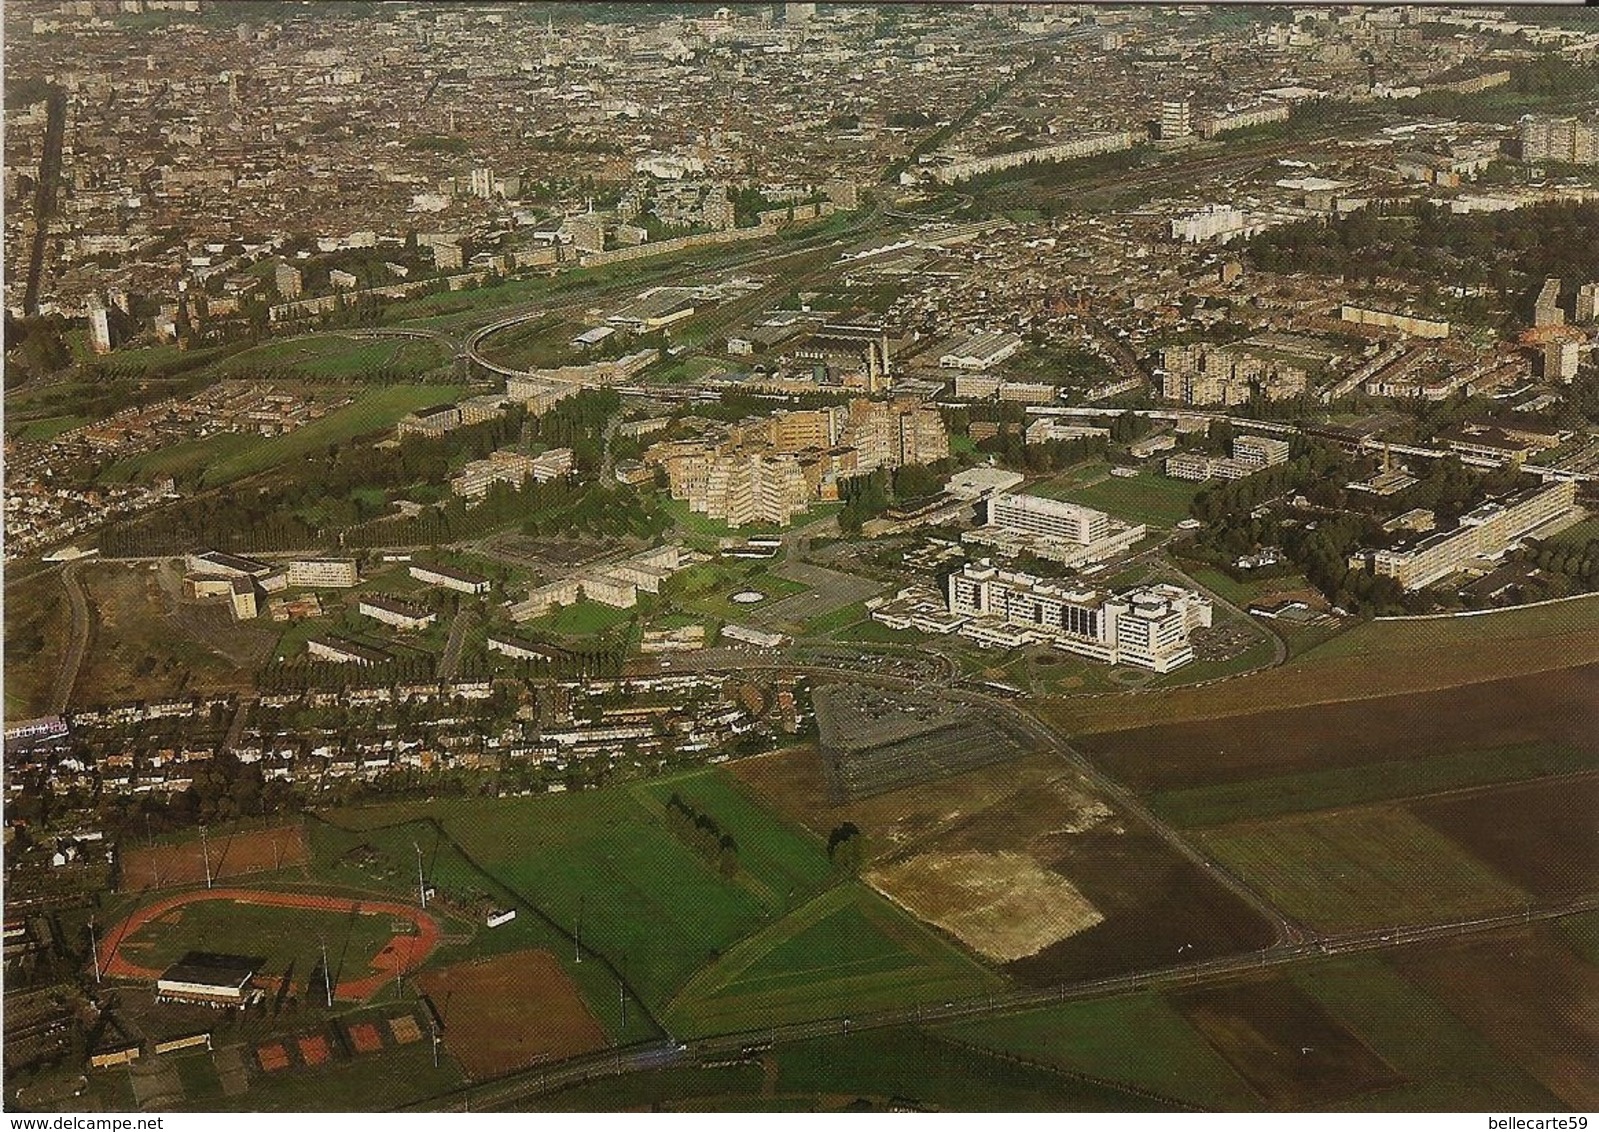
(800, 557)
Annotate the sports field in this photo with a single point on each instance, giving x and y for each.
(336, 357)
(1363, 868)
(367, 941)
(510, 1011)
(607, 863)
(226, 854)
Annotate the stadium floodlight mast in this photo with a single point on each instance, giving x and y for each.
(205, 850)
(94, 949)
(577, 933)
(327, 981)
(421, 884)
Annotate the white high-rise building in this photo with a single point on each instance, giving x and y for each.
(483, 183)
(1148, 627)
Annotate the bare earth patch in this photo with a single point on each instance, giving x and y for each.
(1003, 905)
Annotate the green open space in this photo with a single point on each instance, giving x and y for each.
(1137, 1039)
(847, 950)
(1373, 782)
(372, 411)
(47, 428)
(609, 858)
(1148, 498)
(337, 357)
(284, 937)
(1367, 868)
(1578, 534)
(709, 587)
(1449, 1066)
(1241, 593)
(582, 618)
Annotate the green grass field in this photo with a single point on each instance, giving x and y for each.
(1451, 1067)
(337, 357)
(1138, 1039)
(707, 588)
(1365, 868)
(582, 619)
(1148, 497)
(1578, 534)
(284, 937)
(397, 1076)
(373, 411)
(645, 894)
(47, 428)
(847, 950)
(1373, 782)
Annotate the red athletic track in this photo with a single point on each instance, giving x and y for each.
(402, 953)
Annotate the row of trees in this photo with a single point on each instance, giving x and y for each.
(702, 833)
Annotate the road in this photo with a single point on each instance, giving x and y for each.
(450, 659)
(78, 645)
(527, 1084)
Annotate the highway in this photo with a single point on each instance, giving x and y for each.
(507, 1092)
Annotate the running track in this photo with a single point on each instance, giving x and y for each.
(402, 953)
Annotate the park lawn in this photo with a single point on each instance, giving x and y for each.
(708, 588)
(1073, 479)
(1155, 500)
(846, 951)
(1372, 782)
(1241, 593)
(840, 618)
(1373, 659)
(374, 410)
(1366, 868)
(1442, 1058)
(583, 618)
(1137, 1039)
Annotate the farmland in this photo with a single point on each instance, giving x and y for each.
(1373, 660)
(1148, 901)
(1292, 1053)
(1138, 1039)
(1361, 868)
(1555, 709)
(1369, 782)
(1530, 996)
(1539, 834)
